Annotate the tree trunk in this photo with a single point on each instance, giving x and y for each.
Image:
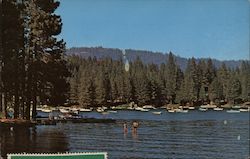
(16, 103)
(4, 108)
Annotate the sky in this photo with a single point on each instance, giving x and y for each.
(189, 28)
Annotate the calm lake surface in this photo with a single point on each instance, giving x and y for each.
(191, 135)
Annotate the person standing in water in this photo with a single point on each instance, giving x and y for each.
(125, 128)
(135, 125)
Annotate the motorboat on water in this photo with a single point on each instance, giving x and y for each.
(148, 107)
(63, 110)
(233, 111)
(85, 110)
(183, 111)
(112, 111)
(191, 108)
(236, 107)
(202, 109)
(141, 109)
(46, 110)
(217, 109)
(157, 113)
(208, 106)
(171, 110)
(244, 109)
(100, 110)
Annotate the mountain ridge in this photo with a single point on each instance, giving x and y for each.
(147, 57)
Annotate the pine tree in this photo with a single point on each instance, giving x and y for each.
(216, 90)
(87, 92)
(223, 76)
(245, 80)
(12, 48)
(171, 78)
(234, 89)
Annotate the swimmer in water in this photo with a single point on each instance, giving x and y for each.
(125, 128)
(135, 125)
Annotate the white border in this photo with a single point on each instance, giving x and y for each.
(59, 154)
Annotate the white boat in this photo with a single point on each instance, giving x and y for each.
(202, 109)
(148, 107)
(191, 108)
(233, 111)
(100, 110)
(208, 106)
(144, 110)
(85, 110)
(236, 107)
(39, 109)
(46, 110)
(243, 110)
(178, 110)
(112, 111)
(183, 111)
(171, 110)
(62, 110)
(218, 109)
(157, 113)
(141, 109)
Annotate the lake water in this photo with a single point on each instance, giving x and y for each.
(211, 134)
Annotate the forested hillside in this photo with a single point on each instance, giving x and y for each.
(104, 81)
(146, 57)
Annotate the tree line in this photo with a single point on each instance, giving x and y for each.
(33, 67)
(98, 82)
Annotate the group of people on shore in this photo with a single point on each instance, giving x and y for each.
(135, 125)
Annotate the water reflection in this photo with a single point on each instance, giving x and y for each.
(31, 140)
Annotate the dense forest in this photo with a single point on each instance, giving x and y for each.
(32, 63)
(105, 81)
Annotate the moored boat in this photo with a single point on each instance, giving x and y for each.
(112, 111)
(236, 107)
(217, 109)
(85, 110)
(46, 110)
(171, 110)
(141, 109)
(148, 107)
(100, 109)
(183, 111)
(233, 111)
(157, 113)
(244, 110)
(62, 110)
(208, 106)
(202, 109)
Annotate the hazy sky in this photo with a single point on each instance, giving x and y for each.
(200, 28)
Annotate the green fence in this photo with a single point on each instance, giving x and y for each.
(99, 155)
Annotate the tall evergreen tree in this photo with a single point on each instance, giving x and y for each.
(171, 78)
(234, 89)
(245, 80)
(215, 90)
